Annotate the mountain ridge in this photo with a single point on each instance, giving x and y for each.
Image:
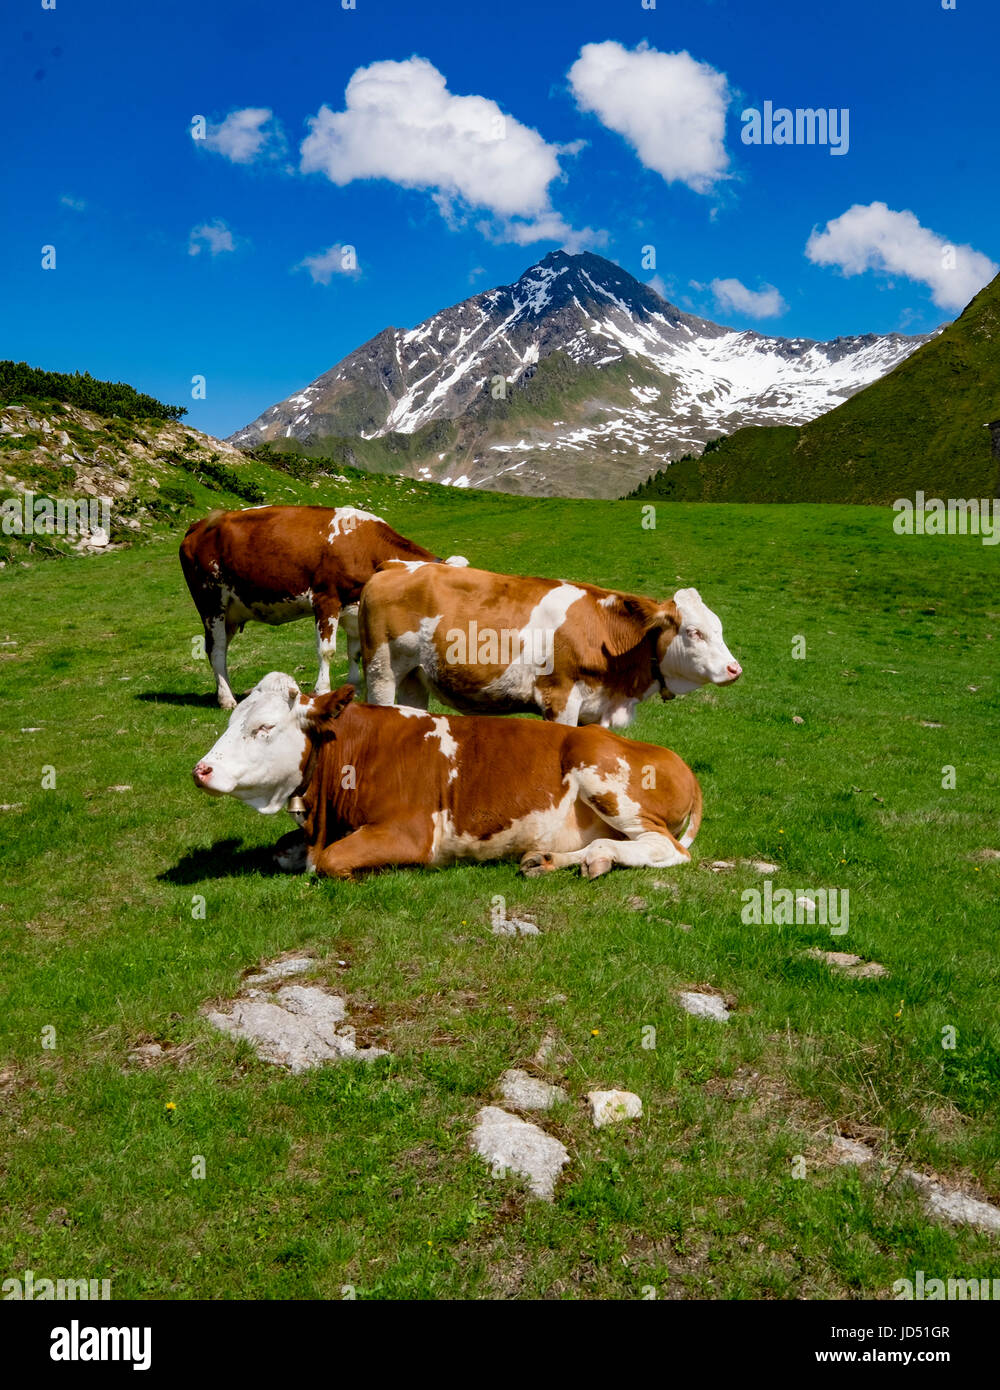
(642, 382)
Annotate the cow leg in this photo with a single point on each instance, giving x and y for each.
(391, 670)
(327, 611)
(349, 622)
(652, 849)
(373, 847)
(290, 852)
(217, 635)
(412, 691)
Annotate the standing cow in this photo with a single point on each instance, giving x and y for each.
(275, 564)
(501, 644)
(395, 786)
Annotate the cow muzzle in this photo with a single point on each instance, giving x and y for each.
(202, 774)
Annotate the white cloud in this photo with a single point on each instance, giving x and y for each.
(401, 123)
(669, 107)
(215, 235)
(550, 226)
(243, 135)
(77, 204)
(335, 260)
(877, 238)
(765, 303)
(659, 285)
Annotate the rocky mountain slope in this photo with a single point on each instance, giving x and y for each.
(576, 379)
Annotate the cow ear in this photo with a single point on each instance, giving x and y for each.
(629, 621)
(667, 619)
(324, 710)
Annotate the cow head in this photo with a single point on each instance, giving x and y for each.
(691, 651)
(263, 757)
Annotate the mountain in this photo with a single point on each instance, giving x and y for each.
(923, 426)
(602, 381)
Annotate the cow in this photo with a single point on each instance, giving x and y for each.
(374, 786)
(502, 644)
(275, 564)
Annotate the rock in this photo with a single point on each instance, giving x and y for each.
(721, 866)
(611, 1107)
(704, 1005)
(807, 904)
(851, 1151)
(797, 719)
(545, 1049)
(11, 805)
(512, 1145)
(986, 854)
(951, 1204)
(526, 1092)
(280, 970)
(514, 926)
(849, 964)
(762, 866)
(636, 904)
(299, 1027)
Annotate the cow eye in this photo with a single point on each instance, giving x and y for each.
(263, 729)
(695, 634)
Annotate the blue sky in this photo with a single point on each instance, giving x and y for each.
(601, 145)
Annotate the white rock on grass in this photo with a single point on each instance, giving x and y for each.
(514, 926)
(298, 1027)
(280, 970)
(703, 1005)
(526, 1092)
(848, 964)
(611, 1107)
(512, 1145)
(950, 1204)
(851, 1151)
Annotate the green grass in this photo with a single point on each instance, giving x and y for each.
(361, 1175)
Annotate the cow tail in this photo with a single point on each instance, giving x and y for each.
(694, 816)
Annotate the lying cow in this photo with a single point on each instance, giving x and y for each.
(501, 644)
(275, 564)
(395, 786)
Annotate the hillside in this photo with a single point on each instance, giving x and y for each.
(920, 427)
(576, 379)
(158, 473)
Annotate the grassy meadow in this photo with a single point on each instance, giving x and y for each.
(359, 1177)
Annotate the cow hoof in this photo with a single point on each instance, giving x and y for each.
(227, 703)
(534, 864)
(598, 865)
(292, 860)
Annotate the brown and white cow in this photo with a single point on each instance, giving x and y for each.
(503, 644)
(384, 786)
(275, 564)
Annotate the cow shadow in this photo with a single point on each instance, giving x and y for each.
(226, 859)
(174, 697)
